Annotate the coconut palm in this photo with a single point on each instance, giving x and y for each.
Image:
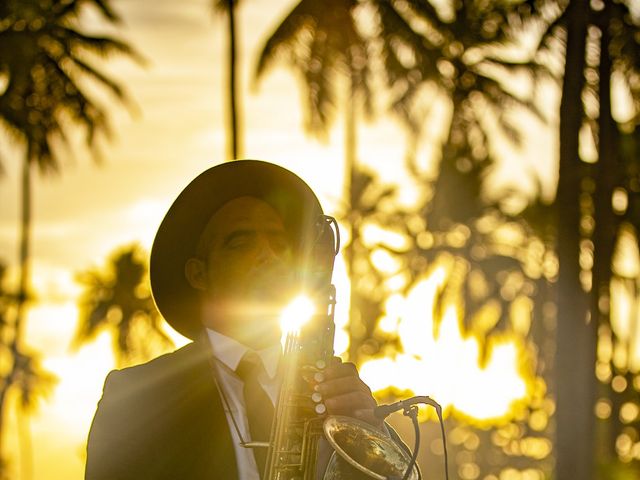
(454, 59)
(234, 137)
(322, 43)
(459, 56)
(45, 58)
(458, 53)
(597, 43)
(22, 371)
(424, 54)
(116, 299)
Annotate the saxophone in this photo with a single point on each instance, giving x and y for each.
(301, 426)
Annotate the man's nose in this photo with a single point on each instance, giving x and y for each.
(267, 251)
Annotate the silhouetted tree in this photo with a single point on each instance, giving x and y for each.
(598, 42)
(420, 56)
(117, 299)
(456, 50)
(234, 132)
(22, 370)
(322, 43)
(45, 56)
(456, 53)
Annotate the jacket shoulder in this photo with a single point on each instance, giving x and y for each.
(142, 412)
(179, 366)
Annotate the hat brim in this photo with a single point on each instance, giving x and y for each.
(178, 234)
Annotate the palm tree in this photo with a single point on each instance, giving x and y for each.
(234, 146)
(44, 57)
(322, 42)
(462, 59)
(605, 35)
(26, 374)
(423, 56)
(597, 43)
(458, 56)
(116, 298)
(461, 56)
(575, 340)
(451, 57)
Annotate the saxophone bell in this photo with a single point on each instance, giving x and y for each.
(363, 451)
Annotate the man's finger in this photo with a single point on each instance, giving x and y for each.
(341, 385)
(338, 370)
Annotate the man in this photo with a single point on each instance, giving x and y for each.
(223, 264)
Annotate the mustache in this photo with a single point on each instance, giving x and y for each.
(271, 280)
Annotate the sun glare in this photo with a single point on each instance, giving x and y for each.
(296, 314)
(440, 359)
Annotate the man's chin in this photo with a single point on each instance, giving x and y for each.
(259, 335)
(255, 322)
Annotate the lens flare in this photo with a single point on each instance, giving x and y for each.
(296, 314)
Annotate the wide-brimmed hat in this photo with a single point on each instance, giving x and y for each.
(178, 234)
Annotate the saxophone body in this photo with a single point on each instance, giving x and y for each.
(299, 414)
(301, 423)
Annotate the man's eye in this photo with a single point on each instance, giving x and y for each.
(240, 241)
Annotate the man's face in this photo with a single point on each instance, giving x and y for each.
(248, 266)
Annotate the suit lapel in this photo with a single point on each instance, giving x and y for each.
(209, 447)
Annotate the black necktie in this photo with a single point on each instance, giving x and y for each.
(258, 405)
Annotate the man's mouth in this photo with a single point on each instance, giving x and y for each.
(272, 284)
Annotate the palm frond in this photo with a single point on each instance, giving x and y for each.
(321, 42)
(45, 67)
(31, 379)
(103, 46)
(286, 38)
(114, 300)
(105, 8)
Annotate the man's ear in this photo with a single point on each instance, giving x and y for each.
(196, 272)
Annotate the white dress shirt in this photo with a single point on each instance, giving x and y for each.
(227, 353)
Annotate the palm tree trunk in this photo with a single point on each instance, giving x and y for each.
(25, 251)
(575, 348)
(605, 221)
(350, 251)
(234, 149)
(23, 288)
(26, 446)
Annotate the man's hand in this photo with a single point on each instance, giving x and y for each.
(345, 393)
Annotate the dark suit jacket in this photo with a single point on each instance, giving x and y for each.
(162, 420)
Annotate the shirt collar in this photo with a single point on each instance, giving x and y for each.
(230, 352)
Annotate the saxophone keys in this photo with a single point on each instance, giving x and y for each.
(320, 409)
(316, 397)
(311, 375)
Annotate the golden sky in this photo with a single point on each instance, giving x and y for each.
(88, 210)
